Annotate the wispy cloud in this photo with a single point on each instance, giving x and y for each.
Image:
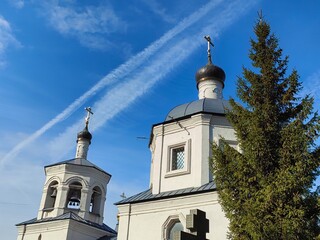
(156, 8)
(89, 24)
(7, 39)
(17, 3)
(117, 74)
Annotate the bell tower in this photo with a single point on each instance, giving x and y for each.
(74, 190)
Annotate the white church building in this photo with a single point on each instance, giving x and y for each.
(180, 179)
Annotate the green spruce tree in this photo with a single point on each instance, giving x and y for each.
(265, 189)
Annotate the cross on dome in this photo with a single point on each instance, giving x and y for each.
(207, 37)
(89, 113)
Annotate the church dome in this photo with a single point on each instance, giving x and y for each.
(205, 105)
(210, 71)
(85, 134)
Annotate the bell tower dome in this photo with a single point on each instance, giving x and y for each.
(84, 138)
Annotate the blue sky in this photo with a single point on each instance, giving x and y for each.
(131, 61)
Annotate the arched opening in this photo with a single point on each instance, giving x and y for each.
(174, 226)
(51, 195)
(95, 200)
(74, 195)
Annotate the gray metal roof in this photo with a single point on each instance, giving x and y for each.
(148, 196)
(73, 216)
(79, 161)
(205, 105)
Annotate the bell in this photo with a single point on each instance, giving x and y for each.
(75, 199)
(54, 193)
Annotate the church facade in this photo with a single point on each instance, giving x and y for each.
(180, 176)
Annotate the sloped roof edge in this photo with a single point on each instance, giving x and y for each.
(72, 216)
(148, 196)
(80, 162)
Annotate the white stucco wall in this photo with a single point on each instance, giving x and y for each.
(50, 230)
(59, 230)
(147, 220)
(197, 134)
(210, 89)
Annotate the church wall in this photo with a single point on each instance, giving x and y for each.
(221, 128)
(196, 134)
(48, 231)
(201, 149)
(60, 230)
(193, 134)
(148, 220)
(67, 171)
(80, 231)
(156, 158)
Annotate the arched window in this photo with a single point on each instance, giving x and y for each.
(51, 195)
(174, 226)
(74, 195)
(95, 200)
(171, 225)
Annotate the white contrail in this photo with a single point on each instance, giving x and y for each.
(116, 74)
(126, 92)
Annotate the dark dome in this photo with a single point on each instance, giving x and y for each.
(206, 105)
(210, 71)
(85, 134)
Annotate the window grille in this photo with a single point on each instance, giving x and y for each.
(177, 158)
